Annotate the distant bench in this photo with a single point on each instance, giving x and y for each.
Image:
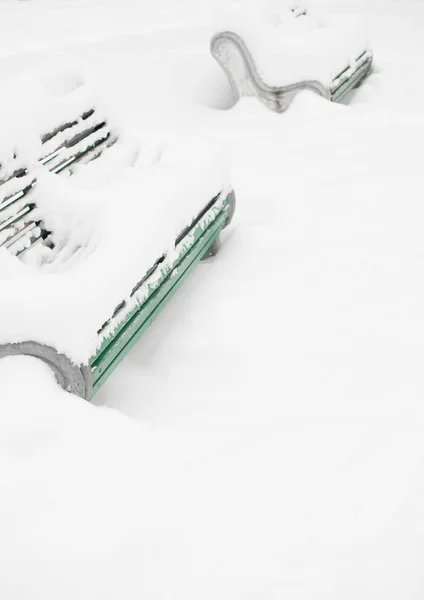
(234, 56)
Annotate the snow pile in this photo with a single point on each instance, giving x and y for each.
(290, 43)
(59, 91)
(75, 480)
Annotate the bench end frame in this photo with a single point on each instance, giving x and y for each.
(73, 378)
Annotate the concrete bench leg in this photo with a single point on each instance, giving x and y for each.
(71, 377)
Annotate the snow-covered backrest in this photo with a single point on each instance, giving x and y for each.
(18, 226)
(60, 126)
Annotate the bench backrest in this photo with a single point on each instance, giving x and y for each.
(78, 141)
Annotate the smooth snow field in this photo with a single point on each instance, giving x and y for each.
(264, 439)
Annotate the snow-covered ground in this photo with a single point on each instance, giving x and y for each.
(264, 440)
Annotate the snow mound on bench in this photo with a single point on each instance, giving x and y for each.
(53, 93)
(288, 46)
(111, 222)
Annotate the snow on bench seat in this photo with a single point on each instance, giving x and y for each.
(106, 236)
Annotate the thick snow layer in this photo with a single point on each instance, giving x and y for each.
(289, 44)
(110, 223)
(275, 445)
(107, 238)
(57, 92)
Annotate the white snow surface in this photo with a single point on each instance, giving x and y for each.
(288, 45)
(264, 439)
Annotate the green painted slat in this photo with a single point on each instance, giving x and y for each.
(129, 335)
(114, 348)
(344, 88)
(195, 233)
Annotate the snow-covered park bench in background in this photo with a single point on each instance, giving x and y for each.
(89, 260)
(274, 53)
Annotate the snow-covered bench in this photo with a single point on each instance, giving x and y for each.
(88, 261)
(274, 54)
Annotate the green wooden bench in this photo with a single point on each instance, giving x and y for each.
(22, 228)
